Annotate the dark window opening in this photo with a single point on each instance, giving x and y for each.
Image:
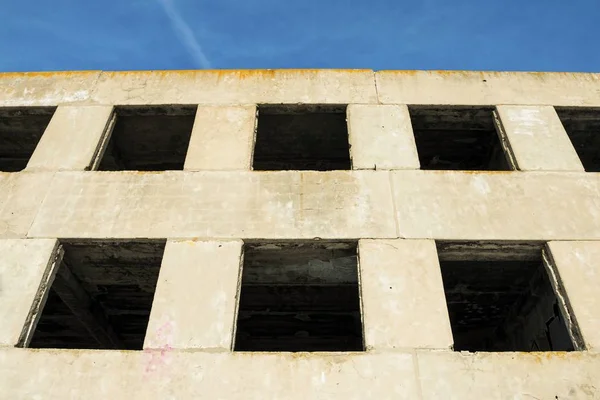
(101, 296)
(457, 138)
(299, 296)
(21, 129)
(153, 138)
(583, 127)
(500, 298)
(301, 137)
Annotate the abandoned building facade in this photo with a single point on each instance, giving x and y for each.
(299, 234)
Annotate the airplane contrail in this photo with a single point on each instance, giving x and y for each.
(183, 30)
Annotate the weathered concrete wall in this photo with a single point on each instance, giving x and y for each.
(427, 375)
(393, 209)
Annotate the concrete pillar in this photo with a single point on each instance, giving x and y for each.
(222, 138)
(381, 137)
(577, 267)
(71, 139)
(537, 140)
(403, 299)
(24, 265)
(195, 300)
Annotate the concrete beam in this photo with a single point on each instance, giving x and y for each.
(21, 195)
(24, 277)
(485, 88)
(536, 139)
(261, 205)
(403, 299)
(577, 266)
(71, 139)
(420, 374)
(222, 139)
(236, 87)
(381, 137)
(507, 375)
(46, 88)
(196, 296)
(533, 206)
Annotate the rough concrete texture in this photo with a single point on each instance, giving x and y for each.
(488, 88)
(222, 139)
(381, 137)
(400, 284)
(428, 205)
(236, 87)
(406, 329)
(161, 374)
(460, 376)
(300, 86)
(71, 139)
(218, 205)
(497, 206)
(537, 139)
(46, 88)
(578, 268)
(210, 271)
(21, 195)
(22, 266)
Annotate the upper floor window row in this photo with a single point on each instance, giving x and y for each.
(293, 137)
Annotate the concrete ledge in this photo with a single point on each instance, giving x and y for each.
(299, 86)
(202, 204)
(462, 376)
(164, 374)
(236, 87)
(497, 205)
(46, 88)
(488, 88)
(21, 195)
(343, 204)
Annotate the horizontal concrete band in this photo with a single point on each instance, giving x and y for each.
(166, 373)
(343, 204)
(299, 86)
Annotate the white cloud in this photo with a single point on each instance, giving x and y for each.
(185, 33)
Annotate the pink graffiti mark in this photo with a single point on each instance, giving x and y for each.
(156, 358)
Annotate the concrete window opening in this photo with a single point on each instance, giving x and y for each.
(101, 295)
(153, 138)
(299, 296)
(21, 128)
(500, 298)
(457, 138)
(583, 127)
(301, 137)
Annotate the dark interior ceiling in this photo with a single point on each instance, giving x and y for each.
(583, 127)
(152, 138)
(21, 129)
(457, 138)
(101, 296)
(301, 137)
(299, 296)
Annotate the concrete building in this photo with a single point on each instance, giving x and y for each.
(299, 234)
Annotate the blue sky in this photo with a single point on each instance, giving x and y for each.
(531, 35)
